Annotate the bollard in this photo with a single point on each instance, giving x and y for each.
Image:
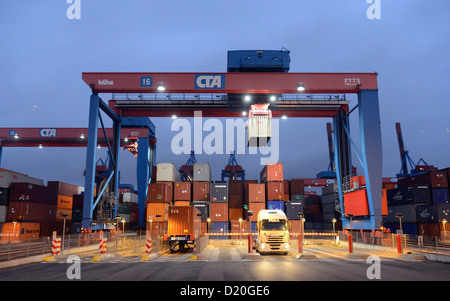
(250, 243)
(195, 246)
(300, 243)
(149, 245)
(399, 244)
(350, 243)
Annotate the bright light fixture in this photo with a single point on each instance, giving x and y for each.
(301, 87)
(82, 136)
(247, 98)
(40, 145)
(126, 139)
(161, 87)
(174, 116)
(273, 98)
(244, 113)
(284, 117)
(16, 136)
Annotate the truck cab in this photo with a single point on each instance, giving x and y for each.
(273, 232)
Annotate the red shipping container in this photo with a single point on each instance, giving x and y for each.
(218, 211)
(200, 191)
(160, 192)
(296, 186)
(255, 193)
(239, 227)
(435, 179)
(247, 182)
(182, 191)
(286, 186)
(236, 200)
(62, 188)
(32, 193)
(30, 211)
(356, 203)
(272, 173)
(274, 191)
(235, 187)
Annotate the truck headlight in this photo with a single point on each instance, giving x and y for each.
(263, 246)
(286, 245)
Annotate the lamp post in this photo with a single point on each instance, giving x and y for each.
(117, 232)
(399, 240)
(14, 229)
(240, 229)
(63, 232)
(123, 233)
(334, 229)
(444, 221)
(208, 220)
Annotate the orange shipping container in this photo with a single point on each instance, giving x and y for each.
(184, 221)
(384, 205)
(218, 211)
(65, 202)
(20, 231)
(272, 173)
(60, 212)
(157, 227)
(154, 209)
(235, 213)
(181, 203)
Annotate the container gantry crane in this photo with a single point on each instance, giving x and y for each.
(406, 160)
(233, 170)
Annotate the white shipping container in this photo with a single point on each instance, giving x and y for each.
(202, 172)
(8, 177)
(130, 197)
(167, 172)
(259, 130)
(3, 214)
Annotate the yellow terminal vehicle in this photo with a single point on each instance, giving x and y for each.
(273, 232)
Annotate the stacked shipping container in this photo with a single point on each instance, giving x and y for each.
(33, 209)
(422, 202)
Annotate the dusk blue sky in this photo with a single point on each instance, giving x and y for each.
(43, 55)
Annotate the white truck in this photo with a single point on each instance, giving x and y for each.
(273, 232)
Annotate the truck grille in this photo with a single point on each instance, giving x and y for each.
(275, 242)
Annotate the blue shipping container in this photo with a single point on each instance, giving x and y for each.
(440, 195)
(258, 60)
(408, 228)
(275, 205)
(219, 227)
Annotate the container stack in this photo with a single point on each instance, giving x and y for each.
(219, 208)
(160, 196)
(201, 191)
(313, 213)
(77, 213)
(236, 200)
(33, 209)
(331, 207)
(128, 209)
(255, 200)
(272, 178)
(417, 199)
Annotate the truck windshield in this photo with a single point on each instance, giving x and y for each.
(268, 226)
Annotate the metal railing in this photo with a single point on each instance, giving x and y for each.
(11, 248)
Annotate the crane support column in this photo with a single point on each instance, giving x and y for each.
(372, 152)
(91, 155)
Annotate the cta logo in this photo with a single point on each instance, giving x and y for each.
(47, 133)
(210, 81)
